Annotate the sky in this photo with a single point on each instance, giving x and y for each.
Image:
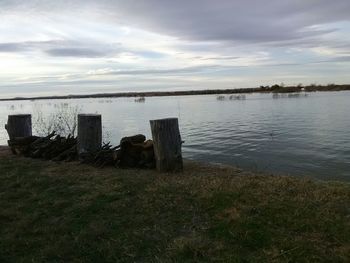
(79, 47)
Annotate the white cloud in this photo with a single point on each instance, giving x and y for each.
(83, 46)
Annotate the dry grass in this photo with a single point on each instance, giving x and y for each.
(71, 212)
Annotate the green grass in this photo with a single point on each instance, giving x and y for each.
(75, 213)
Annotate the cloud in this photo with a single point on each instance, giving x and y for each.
(340, 59)
(247, 21)
(76, 52)
(10, 47)
(207, 20)
(182, 42)
(171, 71)
(60, 48)
(217, 58)
(79, 49)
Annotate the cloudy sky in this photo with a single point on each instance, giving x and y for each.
(72, 47)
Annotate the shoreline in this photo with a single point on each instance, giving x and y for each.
(262, 89)
(6, 152)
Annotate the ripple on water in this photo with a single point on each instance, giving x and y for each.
(298, 136)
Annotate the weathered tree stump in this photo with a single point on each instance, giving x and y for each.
(89, 133)
(19, 125)
(167, 145)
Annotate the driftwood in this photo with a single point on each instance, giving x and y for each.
(101, 157)
(134, 151)
(50, 147)
(21, 145)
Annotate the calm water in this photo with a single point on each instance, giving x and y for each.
(298, 136)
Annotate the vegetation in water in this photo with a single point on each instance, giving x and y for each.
(62, 119)
(278, 88)
(140, 99)
(238, 97)
(290, 95)
(232, 97)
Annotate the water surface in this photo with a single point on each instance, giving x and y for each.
(306, 136)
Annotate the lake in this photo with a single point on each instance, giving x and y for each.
(287, 134)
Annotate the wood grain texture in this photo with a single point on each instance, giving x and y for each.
(19, 125)
(89, 133)
(167, 144)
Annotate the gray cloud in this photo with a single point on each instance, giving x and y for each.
(196, 69)
(76, 52)
(60, 48)
(26, 45)
(340, 59)
(217, 58)
(248, 21)
(10, 47)
(207, 20)
(216, 33)
(77, 48)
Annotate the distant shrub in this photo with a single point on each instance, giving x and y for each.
(140, 99)
(237, 97)
(220, 97)
(275, 87)
(62, 120)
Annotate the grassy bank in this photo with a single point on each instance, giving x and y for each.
(76, 213)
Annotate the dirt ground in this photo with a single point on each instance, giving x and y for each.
(4, 150)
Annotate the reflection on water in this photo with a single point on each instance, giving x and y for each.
(298, 135)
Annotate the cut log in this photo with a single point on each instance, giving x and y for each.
(130, 153)
(20, 141)
(104, 157)
(68, 155)
(133, 151)
(19, 125)
(167, 145)
(147, 155)
(148, 145)
(21, 145)
(138, 138)
(89, 133)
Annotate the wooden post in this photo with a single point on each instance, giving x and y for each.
(19, 125)
(89, 133)
(167, 145)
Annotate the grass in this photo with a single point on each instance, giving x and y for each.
(75, 213)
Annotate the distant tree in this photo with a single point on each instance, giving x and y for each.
(275, 87)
